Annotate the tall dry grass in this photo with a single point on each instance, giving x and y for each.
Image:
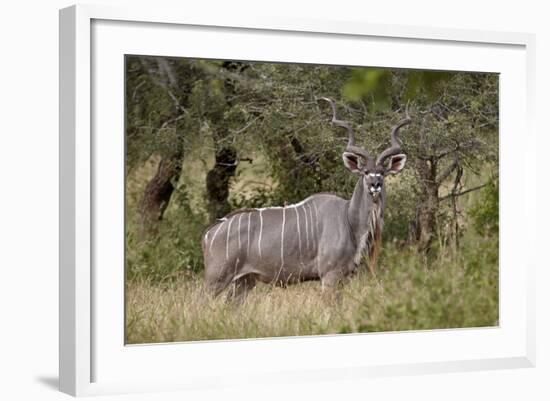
(166, 300)
(457, 289)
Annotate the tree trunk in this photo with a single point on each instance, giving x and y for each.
(456, 190)
(217, 182)
(426, 216)
(158, 191)
(217, 179)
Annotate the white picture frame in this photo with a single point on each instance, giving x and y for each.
(93, 357)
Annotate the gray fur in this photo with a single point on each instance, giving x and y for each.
(321, 238)
(332, 249)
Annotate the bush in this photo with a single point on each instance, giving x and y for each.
(485, 212)
(173, 251)
(458, 289)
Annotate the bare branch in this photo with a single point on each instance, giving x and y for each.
(447, 172)
(164, 77)
(170, 121)
(248, 125)
(134, 93)
(459, 146)
(467, 191)
(458, 178)
(166, 70)
(446, 152)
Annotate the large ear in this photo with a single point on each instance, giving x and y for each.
(397, 162)
(352, 161)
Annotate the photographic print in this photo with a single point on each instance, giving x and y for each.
(269, 199)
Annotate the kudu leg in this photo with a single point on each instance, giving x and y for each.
(330, 288)
(241, 287)
(216, 283)
(331, 280)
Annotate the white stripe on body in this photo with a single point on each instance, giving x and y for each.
(216, 233)
(307, 229)
(317, 236)
(260, 236)
(299, 235)
(283, 239)
(248, 237)
(239, 231)
(227, 238)
(311, 224)
(316, 217)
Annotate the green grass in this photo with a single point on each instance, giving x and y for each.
(166, 300)
(457, 288)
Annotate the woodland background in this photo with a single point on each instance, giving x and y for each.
(206, 137)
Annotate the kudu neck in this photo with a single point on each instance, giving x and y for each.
(361, 207)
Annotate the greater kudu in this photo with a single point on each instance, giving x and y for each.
(321, 238)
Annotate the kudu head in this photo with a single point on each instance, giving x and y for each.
(359, 161)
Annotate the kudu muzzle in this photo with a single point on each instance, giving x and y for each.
(374, 183)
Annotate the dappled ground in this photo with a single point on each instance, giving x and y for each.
(456, 289)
